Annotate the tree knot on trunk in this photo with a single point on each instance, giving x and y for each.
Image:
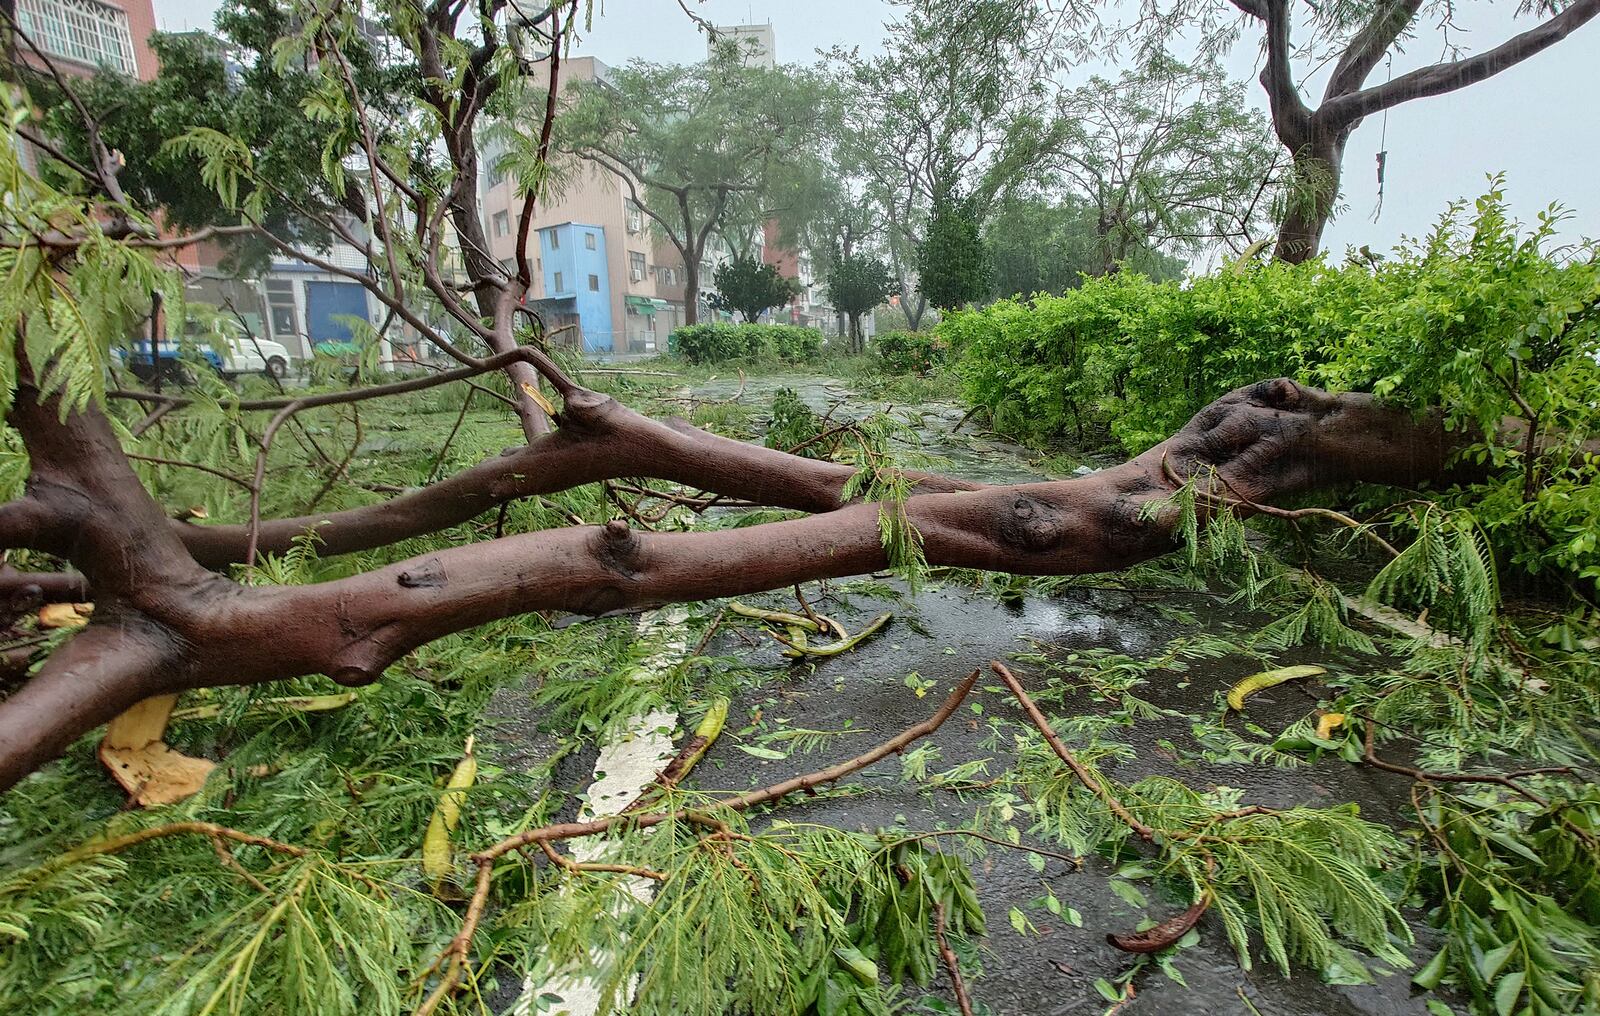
(586, 410)
(619, 548)
(1031, 524)
(427, 574)
(354, 677)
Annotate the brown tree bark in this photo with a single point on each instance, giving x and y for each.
(1316, 137)
(1318, 166)
(163, 623)
(691, 291)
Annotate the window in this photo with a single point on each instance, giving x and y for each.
(635, 218)
(282, 320)
(82, 30)
(664, 276)
(594, 283)
(280, 300)
(588, 241)
(558, 286)
(502, 223)
(555, 240)
(635, 266)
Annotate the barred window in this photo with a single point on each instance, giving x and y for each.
(81, 30)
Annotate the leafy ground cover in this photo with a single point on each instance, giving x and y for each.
(1359, 829)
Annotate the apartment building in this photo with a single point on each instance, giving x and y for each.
(84, 36)
(600, 271)
(756, 44)
(809, 307)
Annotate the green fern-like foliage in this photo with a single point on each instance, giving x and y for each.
(799, 919)
(72, 312)
(1448, 568)
(1305, 885)
(881, 479)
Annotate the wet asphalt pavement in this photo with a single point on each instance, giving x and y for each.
(942, 633)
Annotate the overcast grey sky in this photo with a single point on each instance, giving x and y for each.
(1539, 121)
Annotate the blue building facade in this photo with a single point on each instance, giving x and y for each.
(576, 282)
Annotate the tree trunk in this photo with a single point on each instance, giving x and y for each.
(1317, 168)
(691, 290)
(494, 304)
(914, 309)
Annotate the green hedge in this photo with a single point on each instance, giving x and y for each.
(716, 343)
(1480, 318)
(909, 352)
(1136, 358)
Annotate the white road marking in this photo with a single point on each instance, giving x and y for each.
(627, 764)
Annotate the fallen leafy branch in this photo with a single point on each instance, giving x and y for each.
(454, 958)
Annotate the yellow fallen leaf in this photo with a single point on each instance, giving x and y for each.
(65, 615)
(436, 841)
(142, 724)
(1269, 679)
(1327, 723)
(155, 774)
(150, 771)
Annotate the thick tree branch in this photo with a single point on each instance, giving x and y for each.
(165, 625)
(1290, 115)
(1266, 441)
(599, 439)
(1369, 46)
(1449, 76)
(99, 674)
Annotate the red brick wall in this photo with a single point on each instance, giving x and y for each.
(141, 23)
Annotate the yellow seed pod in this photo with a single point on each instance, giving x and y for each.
(446, 816)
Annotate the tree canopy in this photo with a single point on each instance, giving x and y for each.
(750, 287)
(856, 283)
(953, 263)
(689, 143)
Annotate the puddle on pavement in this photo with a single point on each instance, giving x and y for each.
(1055, 971)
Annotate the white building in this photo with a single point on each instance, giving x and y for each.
(755, 43)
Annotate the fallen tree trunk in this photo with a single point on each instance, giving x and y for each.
(164, 623)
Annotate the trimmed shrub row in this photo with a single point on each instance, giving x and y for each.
(717, 343)
(909, 352)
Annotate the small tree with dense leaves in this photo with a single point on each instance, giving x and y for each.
(953, 262)
(750, 286)
(856, 284)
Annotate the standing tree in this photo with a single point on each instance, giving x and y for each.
(1355, 40)
(750, 286)
(957, 102)
(953, 265)
(1169, 160)
(1043, 244)
(689, 142)
(855, 284)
